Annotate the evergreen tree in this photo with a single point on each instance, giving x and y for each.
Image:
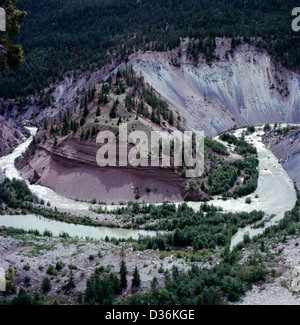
(86, 110)
(123, 275)
(10, 284)
(171, 118)
(136, 281)
(113, 111)
(98, 111)
(11, 55)
(71, 283)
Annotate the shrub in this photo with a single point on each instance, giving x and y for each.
(46, 285)
(51, 270)
(26, 267)
(27, 280)
(47, 233)
(248, 200)
(59, 265)
(72, 267)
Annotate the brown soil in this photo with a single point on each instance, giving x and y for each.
(71, 170)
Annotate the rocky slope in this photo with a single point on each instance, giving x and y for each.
(10, 135)
(243, 87)
(288, 152)
(247, 88)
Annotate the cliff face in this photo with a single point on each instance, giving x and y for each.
(72, 171)
(248, 88)
(10, 136)
(288, 152)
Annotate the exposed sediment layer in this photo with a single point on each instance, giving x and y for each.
(248, 88)
(72, 171)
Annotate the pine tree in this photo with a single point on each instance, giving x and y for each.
(154, 286)
(98, 111)
(86, 111)
(13, 54)
(10, 284)
(71, 283)
(171, 118)
(136, 281)
(123, 275)
(113, 111)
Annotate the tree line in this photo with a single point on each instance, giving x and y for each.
(58, 37)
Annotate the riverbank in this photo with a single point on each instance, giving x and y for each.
(41, 224)
(274, 195)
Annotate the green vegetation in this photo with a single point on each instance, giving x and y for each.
(26, 267)
(102, 290)
(51, 270)
(89, 34)
(123, 275)
(251, 129)
(224, 282)
(23, 299)
(197, 286)
(14, 193)
(10, 283)
(287, 226)
(46, 285)
(206, 228)
(222, 179)
(215, 146)
(247, 168)
(136, 280)
(267, 128)
(278, 130)
(11, 55)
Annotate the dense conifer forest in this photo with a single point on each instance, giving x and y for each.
(86, 35)
(81, 36)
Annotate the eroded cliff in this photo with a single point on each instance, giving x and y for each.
(246, 87)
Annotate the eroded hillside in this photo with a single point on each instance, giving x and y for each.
(285, 143)
(246, 87)
(63, 154)
(10, 135)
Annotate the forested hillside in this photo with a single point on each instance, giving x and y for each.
(58, 37)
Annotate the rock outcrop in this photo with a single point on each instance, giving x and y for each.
(288, 152)
(10, 135)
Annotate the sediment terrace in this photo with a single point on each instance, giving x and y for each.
(71, 170)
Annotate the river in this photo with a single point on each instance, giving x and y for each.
(33, 222)
(274, 195)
